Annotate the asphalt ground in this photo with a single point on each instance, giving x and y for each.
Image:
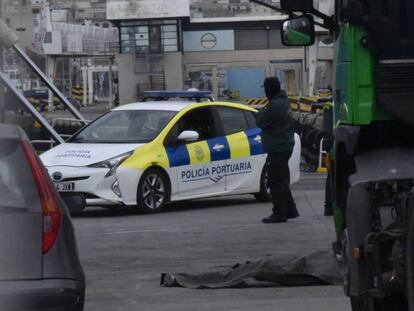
(124, 253)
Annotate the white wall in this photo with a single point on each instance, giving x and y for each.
(133, 72)
(173, 67)
(127, 78)
(243, 57)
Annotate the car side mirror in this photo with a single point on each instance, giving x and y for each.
(298, 31)
(188, 136)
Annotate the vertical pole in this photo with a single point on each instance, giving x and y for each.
(268, 37)
(50, 66)
(90, 84)
(111, 100)
(305, 77)
(85, 85)
(313, 64)
(70, 76)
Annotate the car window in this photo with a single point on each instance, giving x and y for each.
(17, 186)
(232, 119)
(251, 118)
(199, 120)
(126, 126)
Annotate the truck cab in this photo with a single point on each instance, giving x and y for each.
(372, 162)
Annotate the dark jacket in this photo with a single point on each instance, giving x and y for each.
(328, 138)
(277, 125)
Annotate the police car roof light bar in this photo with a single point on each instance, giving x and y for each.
(179, 94)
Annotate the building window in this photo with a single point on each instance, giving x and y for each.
(258, 39)
(155, 39)
(156, 36)
(141, 39)
(169, 36)
(233, 120)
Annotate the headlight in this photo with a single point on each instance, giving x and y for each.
(113, 163)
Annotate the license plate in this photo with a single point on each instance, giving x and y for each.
(65, 186)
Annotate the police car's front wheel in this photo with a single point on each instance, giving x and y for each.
(153, 191)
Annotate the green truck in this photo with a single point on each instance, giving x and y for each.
(372, 160)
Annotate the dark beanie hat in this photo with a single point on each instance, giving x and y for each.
(272, 87)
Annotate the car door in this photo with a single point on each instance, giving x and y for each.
(245, 164)
(195, 164)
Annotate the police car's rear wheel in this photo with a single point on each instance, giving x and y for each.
(153, 191)
(264, 195)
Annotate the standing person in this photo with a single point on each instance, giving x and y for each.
(278, 141)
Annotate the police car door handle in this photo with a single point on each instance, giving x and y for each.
(218, 147)
(258, 138)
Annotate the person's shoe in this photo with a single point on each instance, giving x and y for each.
(274, 219)
(292, 213)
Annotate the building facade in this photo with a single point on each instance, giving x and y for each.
(227, 47)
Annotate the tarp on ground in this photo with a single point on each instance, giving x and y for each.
(316, 268)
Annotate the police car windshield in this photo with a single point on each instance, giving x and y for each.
(126, 126)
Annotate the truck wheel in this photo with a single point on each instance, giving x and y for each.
(153, 191)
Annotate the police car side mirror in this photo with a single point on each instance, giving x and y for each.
(188, 136)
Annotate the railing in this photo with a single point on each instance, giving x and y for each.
(69, 122)
(94, 47)
(87, 39)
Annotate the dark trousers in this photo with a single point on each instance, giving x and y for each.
(328, 195)
(279, 179)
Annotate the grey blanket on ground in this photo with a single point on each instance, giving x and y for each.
(316, 268)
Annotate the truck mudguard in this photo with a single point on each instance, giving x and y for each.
(374, 166)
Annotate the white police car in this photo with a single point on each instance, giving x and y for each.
(148, 154)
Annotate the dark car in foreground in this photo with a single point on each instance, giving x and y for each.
(39, 264)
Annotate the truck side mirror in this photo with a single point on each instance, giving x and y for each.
(305, 6)
(298, 31)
